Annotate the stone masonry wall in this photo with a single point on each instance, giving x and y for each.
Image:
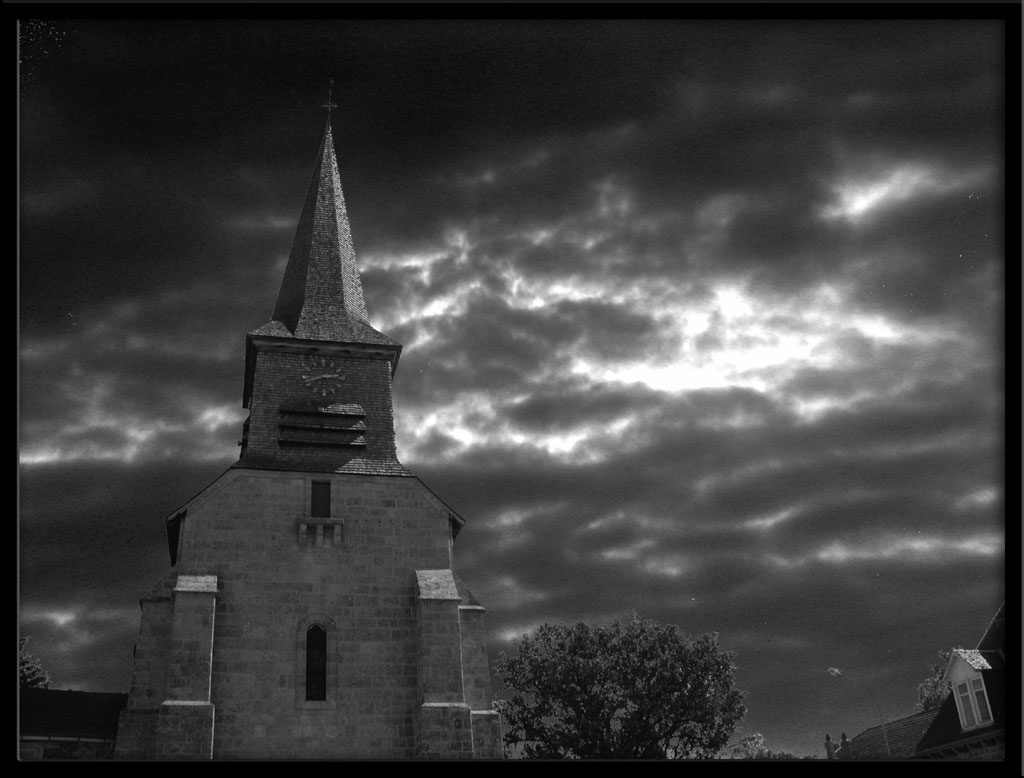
(246, 532)
(185, 730)
(149, 681)
(278, 375)
(191, 645)
(445, 731)
(136, 731)
(476, 672)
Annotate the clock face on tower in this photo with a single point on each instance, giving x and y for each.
(323, 377)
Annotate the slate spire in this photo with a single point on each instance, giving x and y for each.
(321, 296)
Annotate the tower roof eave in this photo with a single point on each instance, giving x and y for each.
(343, 330)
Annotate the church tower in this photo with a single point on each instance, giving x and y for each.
(311, 609)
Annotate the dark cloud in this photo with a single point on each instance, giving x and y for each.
(571, 403)
(91, 542)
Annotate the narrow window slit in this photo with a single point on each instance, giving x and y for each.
(316, 663)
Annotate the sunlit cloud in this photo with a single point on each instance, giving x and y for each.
(510, 592)
(728, 341)
(768, 521)
(910, 549)
(667, 566)
(859, 196)
(979, 498)
(75, 626)
(476, 419)
(516, 632)
(100, 438)
(217, 417)
(418, 265)
(516, 518)
(57, 618)
(102, 434)
(627, 553)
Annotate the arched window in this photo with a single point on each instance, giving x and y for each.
(316, 663)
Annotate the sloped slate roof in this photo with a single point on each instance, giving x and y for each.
(904, 735)
(995, 636)
(321, 295)
(353, 466)
(69, 714)
(973, 657)
(342, 330)
(465, 595)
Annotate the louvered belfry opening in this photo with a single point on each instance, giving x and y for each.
(333, 426)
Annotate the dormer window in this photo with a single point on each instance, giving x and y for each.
(972, 703)
(966, 675)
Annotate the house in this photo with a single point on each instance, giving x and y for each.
(969, 724)
(60, 724)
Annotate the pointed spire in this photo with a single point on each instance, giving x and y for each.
(330, 105)
(321, 295)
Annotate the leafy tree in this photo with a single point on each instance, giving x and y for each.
(933, 691)
(633, 690)
(31, 673)
(748, 746)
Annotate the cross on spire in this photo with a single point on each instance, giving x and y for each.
(330, 105)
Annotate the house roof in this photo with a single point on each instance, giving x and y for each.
(69, 714)
(903, 736)
(994, 638)
(979, 660)
(930, 732)
(946, 730)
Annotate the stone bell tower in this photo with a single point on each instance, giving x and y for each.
(311, 609)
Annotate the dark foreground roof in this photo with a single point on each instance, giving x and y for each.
(903, 735)
(69, 714)
(946, 730)
(926, 734)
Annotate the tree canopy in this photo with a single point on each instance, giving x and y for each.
(753, 747)
(31, 674)
(627, 690)
(933, 690)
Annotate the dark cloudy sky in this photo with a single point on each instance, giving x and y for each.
(701, 319)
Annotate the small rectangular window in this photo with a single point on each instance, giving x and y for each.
(984, 715)
(964, 696)
(321, 502)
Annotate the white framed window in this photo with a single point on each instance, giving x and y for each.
(972, 703)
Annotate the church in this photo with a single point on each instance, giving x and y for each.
(311, 609)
